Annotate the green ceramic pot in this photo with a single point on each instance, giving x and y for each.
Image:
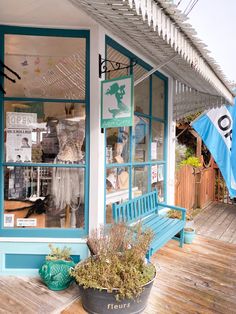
(55, 274)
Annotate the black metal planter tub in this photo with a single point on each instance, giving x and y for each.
(97, 301)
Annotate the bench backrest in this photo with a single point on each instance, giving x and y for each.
(136, 208)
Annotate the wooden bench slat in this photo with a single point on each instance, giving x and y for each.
(145, 208)
(163, 226)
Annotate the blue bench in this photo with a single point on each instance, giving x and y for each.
(145, 209)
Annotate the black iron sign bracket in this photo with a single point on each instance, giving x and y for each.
(107, 66)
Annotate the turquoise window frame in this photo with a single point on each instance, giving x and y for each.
(115, 45)
(46, 232)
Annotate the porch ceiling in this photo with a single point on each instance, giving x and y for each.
(157, 29)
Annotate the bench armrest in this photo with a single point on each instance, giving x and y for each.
(183, 210)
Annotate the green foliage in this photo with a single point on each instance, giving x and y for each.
(192, 161)
(189, 152)
(119, 262)
(58, 253)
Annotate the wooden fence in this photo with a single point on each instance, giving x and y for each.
(194, 188)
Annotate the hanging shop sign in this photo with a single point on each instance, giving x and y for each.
(117, 102)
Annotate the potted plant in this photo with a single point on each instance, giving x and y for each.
(189, 230)
(116, 277)
(55, 270)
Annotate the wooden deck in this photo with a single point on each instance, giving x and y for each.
(217, 221)
(20, 295)
(199, 278)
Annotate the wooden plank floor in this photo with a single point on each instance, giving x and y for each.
(217, 221)
(21, 295)
(199, 278)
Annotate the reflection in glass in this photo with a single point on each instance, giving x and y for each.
(157, 145)
(52, 197)
(50, 67)
(158, 97)
(117, 141)
(141, 139)
(117, 188)
(141, 96)
(44, 132)
(116, 56)
(140, 180)
(158, 181)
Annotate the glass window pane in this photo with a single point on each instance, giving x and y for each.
(117, 188)
(50, 67)
(117, 141)
(140, 180)
(141, 91)
(158, 180)
(43, 197)
(157, 145)
(116, 56)
(141, 139)
(44, 132)
(158, 97)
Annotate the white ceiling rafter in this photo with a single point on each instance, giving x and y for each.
(157, 29)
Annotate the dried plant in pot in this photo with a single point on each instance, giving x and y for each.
(55, 270)
(116, 277)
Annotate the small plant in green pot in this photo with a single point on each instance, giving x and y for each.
(55, 270)
(117, 278)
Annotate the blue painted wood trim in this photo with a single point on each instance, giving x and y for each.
(43, 233)
(31, 99)
(36, 31)
(31, 261)
(10, 251)
(28, 164)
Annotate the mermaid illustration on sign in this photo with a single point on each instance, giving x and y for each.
(119, 92)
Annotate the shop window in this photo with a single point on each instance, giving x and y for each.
(44, 165)
(50, 67)
(118, 143)
(43, 197)
(140, 180)
(142, 153)
(117, 188)
(116, 56)
(141, 92)
(157, 144)
(43, 132)
(140, 139)
(157, 181)
(158, 97)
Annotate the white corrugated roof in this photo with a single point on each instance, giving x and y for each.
(157, 29)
